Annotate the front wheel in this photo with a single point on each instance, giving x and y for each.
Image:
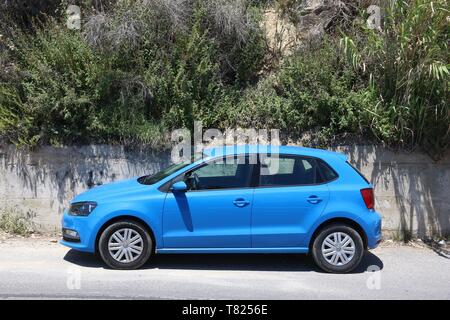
(125, 245)
(338, 248)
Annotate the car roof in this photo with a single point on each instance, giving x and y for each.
(273, 149)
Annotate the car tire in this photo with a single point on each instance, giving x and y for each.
(337, 248)
(125, 245)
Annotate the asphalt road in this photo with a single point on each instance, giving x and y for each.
(40, 268)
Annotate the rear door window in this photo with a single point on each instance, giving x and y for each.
(288, 170)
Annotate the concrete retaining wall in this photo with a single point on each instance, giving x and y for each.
(412, 191)
(43, 182)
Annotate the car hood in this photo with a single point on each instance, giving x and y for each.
(111, 191)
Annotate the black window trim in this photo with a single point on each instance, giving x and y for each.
(254, 181)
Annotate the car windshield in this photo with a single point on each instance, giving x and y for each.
(154, 178)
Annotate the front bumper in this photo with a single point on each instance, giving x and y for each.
(82, 226)
(70, 235)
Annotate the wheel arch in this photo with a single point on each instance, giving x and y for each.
(346, 221)
(122, 218)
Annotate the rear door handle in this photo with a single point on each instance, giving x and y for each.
(241, 202)
(314, 199)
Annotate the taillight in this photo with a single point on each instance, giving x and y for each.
(368, 197)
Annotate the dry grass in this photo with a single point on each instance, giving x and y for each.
(15, 221)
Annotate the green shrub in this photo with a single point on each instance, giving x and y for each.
(408, 67)
(133, 73)
(325, 93)
(140, 69)
(260, 108)
(15, 121)
(59, 77)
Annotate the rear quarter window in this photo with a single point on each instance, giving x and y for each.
(327, 173)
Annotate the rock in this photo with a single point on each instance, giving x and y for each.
(281, 34)
(314, 16)
(303, 23)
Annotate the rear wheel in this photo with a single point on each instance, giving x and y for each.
(338, 248)
(125, 245)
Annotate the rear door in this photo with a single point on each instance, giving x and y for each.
(289, 199)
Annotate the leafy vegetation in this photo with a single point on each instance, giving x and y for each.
(13, 221)
(139, 68)
(408, 66)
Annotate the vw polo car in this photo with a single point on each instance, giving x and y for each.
(251, 199)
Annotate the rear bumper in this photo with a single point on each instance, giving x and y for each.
(373, 230)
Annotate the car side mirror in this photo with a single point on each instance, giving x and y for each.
(179, 186)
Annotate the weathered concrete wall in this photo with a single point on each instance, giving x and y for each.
(412, 191)
(45, 180)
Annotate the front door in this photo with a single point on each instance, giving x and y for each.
(215, 211)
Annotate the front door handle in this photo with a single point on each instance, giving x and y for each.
(314, 199)
(240, 202)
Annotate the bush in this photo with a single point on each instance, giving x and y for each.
(313, 91)
(59, 79)
(408, 67)
(14, 221)
(141, 68)
(132, 74)
(259, 107)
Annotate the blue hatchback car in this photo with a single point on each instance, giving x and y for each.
(232, 200)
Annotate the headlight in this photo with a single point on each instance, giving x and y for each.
(82, 208)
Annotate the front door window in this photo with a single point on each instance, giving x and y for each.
(222, 173)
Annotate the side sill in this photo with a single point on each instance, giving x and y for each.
(233, 250)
